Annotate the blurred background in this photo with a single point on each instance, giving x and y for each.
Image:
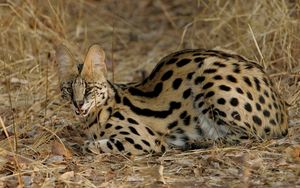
(135, 36)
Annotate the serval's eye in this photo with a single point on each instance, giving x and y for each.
(67, 90)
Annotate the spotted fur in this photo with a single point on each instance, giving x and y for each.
(190, 97)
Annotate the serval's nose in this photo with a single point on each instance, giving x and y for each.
(79, 104)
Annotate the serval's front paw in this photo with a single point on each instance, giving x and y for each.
(95, 146)
(90, 146)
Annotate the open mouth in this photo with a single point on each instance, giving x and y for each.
(81, 112)
(84, 113)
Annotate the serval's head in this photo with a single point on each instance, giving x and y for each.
(84, 86)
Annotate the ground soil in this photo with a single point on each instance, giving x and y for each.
(39, 135)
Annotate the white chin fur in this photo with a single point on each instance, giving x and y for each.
(82, 112)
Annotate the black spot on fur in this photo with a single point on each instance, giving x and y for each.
(208, 85)
(277, 117)
(150, 131)
(247, 81)
(244, 137)
(124, 133)
(209, 71)
(183, 62)
(109, 110)
(256, 120)
(270, 106)
(199, 59)
(237, 70)
(265, 80)
(209, 94)
(275, 105)
(200, 65)
(175, 105)
(221, 101)
(273, 96)
(198, 96)
(200, 104)
(282, 118)
(285, 132)
(239, 90)
(176, 83)
(257, 84)
(266, 94)
(217, 77)
(112, 136)
(217, 113)
(108, 125)
(183, 114)
(95, 136)
(130, 140)
(172, 125)
(117, 96)
(163, 149)
(187, 93)
(204, 111)
(224, 88)
(234, 101)
(118, 115)
(171, 61)
(248, 107)
(187, 120)
(190, 75)
(272, 121)
(102, 133)
(109, 145)
(167, 75)
(132, 121)
(267, 130)
(258, 107)
(133, 130)
(137, 146)
(261, 99)
(219, 64)
(231, 78)
(199, 131)
(146, 142)
(119, 145)
(249, 95)
(235, 115)
(118, 127)
(195, 119)
(199, 79)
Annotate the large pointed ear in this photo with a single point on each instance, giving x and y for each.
(94, 67)
(67, 68)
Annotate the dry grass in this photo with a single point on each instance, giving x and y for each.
(135, 35)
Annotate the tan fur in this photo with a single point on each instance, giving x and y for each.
(94, 67)
(191, 96)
